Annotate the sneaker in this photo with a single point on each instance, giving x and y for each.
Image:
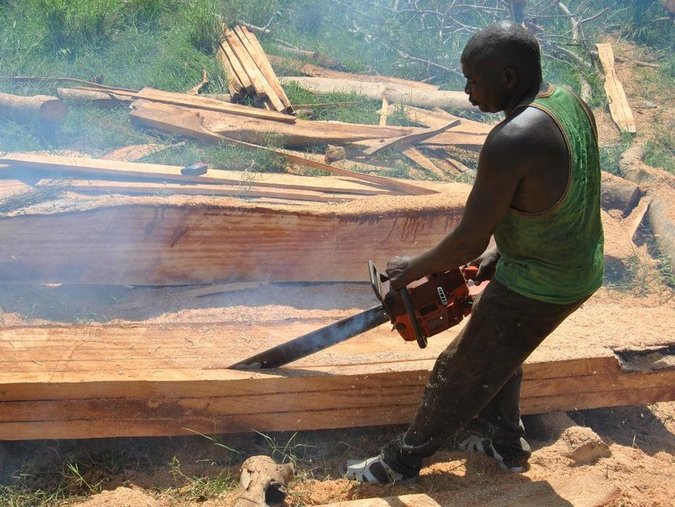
(375, 471)
(513, 462)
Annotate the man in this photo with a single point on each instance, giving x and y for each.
(537, 191)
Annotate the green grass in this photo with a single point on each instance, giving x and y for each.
(166, 44)
(659, 153)
(201, 488)
(611, 153)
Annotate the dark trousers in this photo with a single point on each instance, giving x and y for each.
(478, 375)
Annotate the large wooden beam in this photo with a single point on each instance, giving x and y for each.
(302, 133)
(174, 240)
(171, 379)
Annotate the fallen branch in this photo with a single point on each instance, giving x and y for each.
(98, 97)
(195, 90)
(62, 79)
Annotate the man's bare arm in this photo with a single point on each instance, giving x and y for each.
(500, 170)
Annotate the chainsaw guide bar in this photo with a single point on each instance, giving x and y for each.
(421, 309)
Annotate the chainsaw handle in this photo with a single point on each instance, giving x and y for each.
(469, 272)
(410, 310)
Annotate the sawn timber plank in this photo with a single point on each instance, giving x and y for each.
(187, 423)
(568, 394)
(238, 191)
(619, 109)
(372, 379)
(159, 240)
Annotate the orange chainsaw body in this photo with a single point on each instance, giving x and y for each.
(426, 306)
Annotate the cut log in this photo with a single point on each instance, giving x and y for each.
(636, 220)
(618, 193)
(209, 104)
(90, 241)
(201, 103)
(394, 185)
(384, 112)
(451, 165)
(619, 109)
(437, 118)
(34, 108)
(184, 122)
(217, 127)
(225, 183)
(238, 70)
(91, 167)
(398, 94)
(198, 102)
(308, 69)
(169, 379)
(660, 187)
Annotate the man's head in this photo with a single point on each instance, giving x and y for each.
(501, 62)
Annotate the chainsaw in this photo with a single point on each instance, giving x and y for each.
(422, 309)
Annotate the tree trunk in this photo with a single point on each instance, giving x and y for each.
(397, 94)
(37, 107)
(618, 193)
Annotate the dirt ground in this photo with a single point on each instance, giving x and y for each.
(616, 457)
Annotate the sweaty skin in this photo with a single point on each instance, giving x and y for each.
(524, 164)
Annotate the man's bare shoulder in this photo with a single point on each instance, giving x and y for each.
(528, 132)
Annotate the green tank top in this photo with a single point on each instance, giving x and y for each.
(556, 256)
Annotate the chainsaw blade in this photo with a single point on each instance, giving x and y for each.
(316, 340)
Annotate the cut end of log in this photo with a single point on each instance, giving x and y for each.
(53, 111)
(31, 108)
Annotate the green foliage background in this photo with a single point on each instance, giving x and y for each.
(166, 43)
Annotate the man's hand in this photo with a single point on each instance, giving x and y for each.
(487, 264)
(400, 272)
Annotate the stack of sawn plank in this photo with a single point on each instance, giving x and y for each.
(151, 380)
(249, 71)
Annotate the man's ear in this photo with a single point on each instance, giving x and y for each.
(510, 77)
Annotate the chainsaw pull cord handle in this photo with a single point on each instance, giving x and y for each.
(410, 310)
